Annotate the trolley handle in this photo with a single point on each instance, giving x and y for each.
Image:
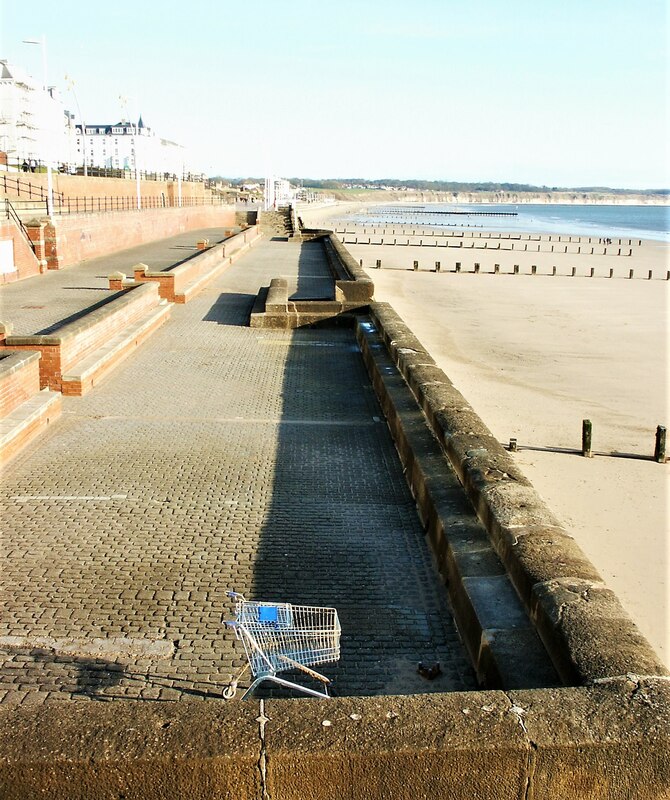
(235, 595)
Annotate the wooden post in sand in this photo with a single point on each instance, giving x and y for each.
(533, 270)
(437, 266)
(631, 272)
(587, 434)
(379, 263)
(516, 269)
(457, 268)
(593, 271)
(650, 274)
(476, 268)
(496, 269)
(611, 272)
(574, 271)
(416, 266)
(659, 450)
(553, 271)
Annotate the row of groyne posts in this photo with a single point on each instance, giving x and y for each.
(575, 245)
(587, 445)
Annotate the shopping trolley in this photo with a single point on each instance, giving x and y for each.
(279, 637)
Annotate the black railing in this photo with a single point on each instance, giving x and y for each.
(92, 205)
(17, 186)
(14, 217)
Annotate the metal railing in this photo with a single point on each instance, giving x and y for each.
(14, 217)
(92, 205)
(13, 184)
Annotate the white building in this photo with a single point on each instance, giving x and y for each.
(278, 192)
(127, 146)
(33, 121)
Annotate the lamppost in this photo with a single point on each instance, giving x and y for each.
(50, 188)
(124, 103)
(70, 83)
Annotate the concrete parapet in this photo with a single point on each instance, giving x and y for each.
(581, 743)
(180, 283)
(585, 629)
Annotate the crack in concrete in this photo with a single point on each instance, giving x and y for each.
(262, 759)
(518, 712)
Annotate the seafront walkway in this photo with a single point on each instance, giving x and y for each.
(216, 456)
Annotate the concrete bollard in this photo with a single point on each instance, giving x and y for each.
(659, 449)
(437, 266)
(587, 436)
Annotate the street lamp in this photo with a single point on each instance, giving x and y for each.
(50, 188)
(70, 83)
(124, 103)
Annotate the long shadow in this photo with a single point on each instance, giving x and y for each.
(82, 312)
(341, 528)
(231, 308)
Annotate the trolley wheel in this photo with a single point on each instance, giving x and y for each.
(230, 691)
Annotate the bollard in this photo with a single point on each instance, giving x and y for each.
(587, 434)
(611, 272)
(552, 248)
(416, 266)
(361, 262)
(458, 267)
(516, 269)
(379, 263)
(476, 268)
(593, 271)
(553, 270)
(650, 274)
(631, 272)
(659, 450)
(437, 266)
(667, 275)
(512, 446)
(574, 271)
(533, 270)
(496, 269)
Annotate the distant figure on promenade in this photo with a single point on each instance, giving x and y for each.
(33, 165)
(24, 166)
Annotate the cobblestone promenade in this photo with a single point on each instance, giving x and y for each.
(216, 456)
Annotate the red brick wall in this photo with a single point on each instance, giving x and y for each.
(24, 259)
(84, 236)
(79, 186)
(18, 385)
(57, 358)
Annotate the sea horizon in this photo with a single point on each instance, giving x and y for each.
(610, 221)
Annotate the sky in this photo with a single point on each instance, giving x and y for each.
(569, 93)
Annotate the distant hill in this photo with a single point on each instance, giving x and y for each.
(396, 190)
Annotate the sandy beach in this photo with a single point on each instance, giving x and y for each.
(537, 354)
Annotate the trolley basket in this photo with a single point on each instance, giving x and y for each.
(281, 636)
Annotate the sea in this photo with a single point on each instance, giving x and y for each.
(618, 221)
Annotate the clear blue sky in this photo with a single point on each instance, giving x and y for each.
(558, 93)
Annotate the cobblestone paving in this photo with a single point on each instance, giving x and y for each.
(35, 304)
(216, 457)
